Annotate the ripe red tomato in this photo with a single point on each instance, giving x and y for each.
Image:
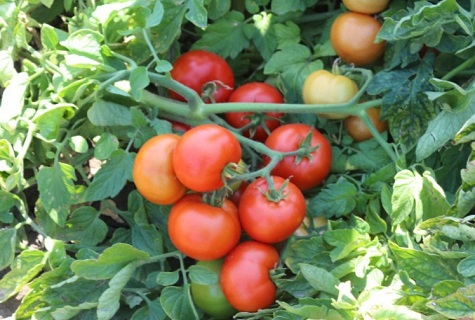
(358, 130)
(267, 220)
(366, 6)
(153, 171)
(201, 155)
(255, 92)
(306, 172)
(210, 297)
(197, 68)
(245, 276)
(201, 231)
(353, 35)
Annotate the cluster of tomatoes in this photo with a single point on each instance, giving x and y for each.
(353, 37)
(198, 174)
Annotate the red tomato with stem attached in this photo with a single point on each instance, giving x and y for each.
(245, 279)
(201, 231)
(198, 68)
(202, 154)
(256, 92)
(153, 171)
(353, 37)
(305, 172)
(271, 216)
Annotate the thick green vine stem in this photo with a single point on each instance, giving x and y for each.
(195, 111)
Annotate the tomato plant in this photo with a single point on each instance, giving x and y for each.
(353, 36)
(202, 154)
(366, 6)
(85, 85)
(210, 297)
(271, 215)
(204, 72)
(324, 87)
(308, 169)
(202, 231)
(245, 276)
(153, 171)
(265, 122)
(359, 131)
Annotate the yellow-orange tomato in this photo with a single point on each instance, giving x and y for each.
(366, 6)
(353, 36)
(324, 87)
(153, 172)
(358, 130)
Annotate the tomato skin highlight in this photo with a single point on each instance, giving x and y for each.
(196, 68)
(267, 221)
(309, 172)
(366, 6)
(352, 35)
(210, 297)
(153, 171)
(245, 276)
(358, 130)
(201, 155)
(324, 87)
(201, 231)
(255, 92)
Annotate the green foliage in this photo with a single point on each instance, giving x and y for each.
(84, 85)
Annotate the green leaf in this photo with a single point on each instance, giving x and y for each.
(103, 113)
(69, 312)
(441, 129)
(109, 300)
(138, 81)
(56, 188)
(405, 101)
(84, 49)
(84, 226)
(467, 132)
(407, 186)
(78, 144)
(373, 217)
(105, 146)
(147, 238)
(169, 278)
(335, 200)
(51, 37)
(320, 279)
(7, 243)
(152, 311)
(345, 242)
(176, 301)
(225, 36)
(13, 97)
(293, 64)
(218, 8)
(139, 120)
(466, 267)
(7, 201)
(49, 121)
(7, 69)
(283, 6)
(196, 13)
(170, 27)
(23, 269)
(312, 250)
(287, 34)
(111, 261)
(460, 304)
(424, 268)
(112, 176)
(263, 35)
(309, 310)
(203, 275)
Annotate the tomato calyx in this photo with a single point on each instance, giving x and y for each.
(209, 89)
(275, 195)
(305, 149)
(216, 198)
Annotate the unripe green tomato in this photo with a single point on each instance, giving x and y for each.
(324, 87)
(210, 298)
